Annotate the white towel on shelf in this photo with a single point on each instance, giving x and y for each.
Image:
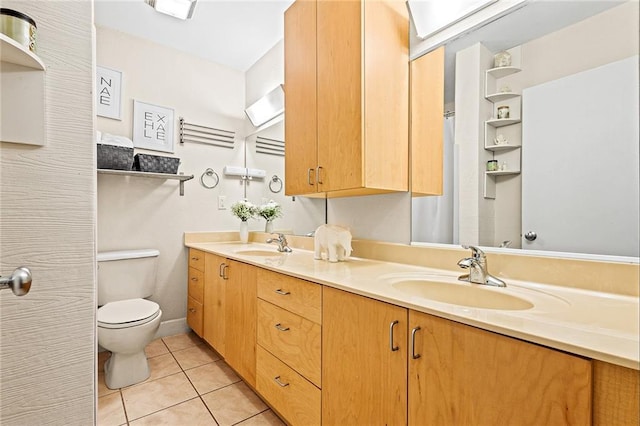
(109, 139)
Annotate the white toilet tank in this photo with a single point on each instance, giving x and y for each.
(126, 274)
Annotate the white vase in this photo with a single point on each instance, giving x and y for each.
(244, 232)
(268, 227)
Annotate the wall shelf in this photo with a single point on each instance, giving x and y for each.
(501, 96)
(503, 172)
(22, 78)
(14, 53)
(181, 178)
(500, 72)
(505, 147)
(500, 122)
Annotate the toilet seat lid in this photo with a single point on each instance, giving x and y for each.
(127, 312)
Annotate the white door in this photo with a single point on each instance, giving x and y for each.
(580, 162)
(47, 223)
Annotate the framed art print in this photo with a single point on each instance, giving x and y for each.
(108, 93)
(152, 127)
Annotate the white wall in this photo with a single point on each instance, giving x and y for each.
(601, 39)
(47, 222)
(142, 212)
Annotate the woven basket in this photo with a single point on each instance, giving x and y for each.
(114, 157)
(156, 163)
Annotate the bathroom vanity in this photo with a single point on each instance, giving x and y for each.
(345, 343)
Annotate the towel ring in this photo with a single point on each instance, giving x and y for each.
(209, 172)
(278, 184)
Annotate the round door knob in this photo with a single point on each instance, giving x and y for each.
(530, 236)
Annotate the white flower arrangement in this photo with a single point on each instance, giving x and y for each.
(244, 210)
(270, 211)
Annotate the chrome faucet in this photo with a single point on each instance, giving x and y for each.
(477, 266)
(283, 246)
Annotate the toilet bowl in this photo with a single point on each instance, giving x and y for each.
(127, 321)
(125, 328)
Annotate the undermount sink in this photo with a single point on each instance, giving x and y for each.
(262, 253)
(472, 295)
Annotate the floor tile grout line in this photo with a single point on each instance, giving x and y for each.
(252, 416)
(165, 408)
(209, 410)
(124, 407)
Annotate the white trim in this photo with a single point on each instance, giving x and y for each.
(171, 327)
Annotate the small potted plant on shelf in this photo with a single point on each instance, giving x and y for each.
(244, 210)
(269, 212)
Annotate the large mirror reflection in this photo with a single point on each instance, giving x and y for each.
(565, 176)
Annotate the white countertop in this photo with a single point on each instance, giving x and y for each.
(593, 324)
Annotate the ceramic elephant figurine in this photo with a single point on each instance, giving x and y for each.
(334, 240)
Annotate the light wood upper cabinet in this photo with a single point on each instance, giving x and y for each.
(361, 82)
(240, 319)
(214, 302)
(465, 375)
(364, 381)
(427, 115)
(301, 148)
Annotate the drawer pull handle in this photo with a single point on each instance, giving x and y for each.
(393, 348)
(194, 279)
(414, 355)
(195, 258)
(282, 292)
(277, 380)
(192, 310)
(281, 328)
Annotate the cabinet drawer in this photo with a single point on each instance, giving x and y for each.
(194, 315)
(293, 294)
(196, 259)
(292, 338)
(196, 284)
(289, 393)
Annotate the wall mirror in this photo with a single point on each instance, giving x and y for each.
(265, 150)
(568, 39)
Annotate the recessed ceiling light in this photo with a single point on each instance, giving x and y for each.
(181, 9)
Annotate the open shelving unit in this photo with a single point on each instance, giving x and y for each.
(180, 177)
(22, 78)
(508, 152)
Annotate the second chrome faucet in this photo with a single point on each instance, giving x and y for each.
(477, 266)
(283, 245)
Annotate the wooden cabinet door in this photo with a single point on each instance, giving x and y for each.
(214, 302)
(427, 127)
(301, 153)
(340, 138)
(364, 381)
(240, 319)
(465, 375)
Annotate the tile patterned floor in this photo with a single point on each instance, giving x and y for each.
(189, 384)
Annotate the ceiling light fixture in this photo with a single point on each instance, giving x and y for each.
(267, 107)
(181, 9)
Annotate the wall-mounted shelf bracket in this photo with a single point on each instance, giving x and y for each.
(182, 178)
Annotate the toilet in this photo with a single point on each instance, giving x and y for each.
(127, 322)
